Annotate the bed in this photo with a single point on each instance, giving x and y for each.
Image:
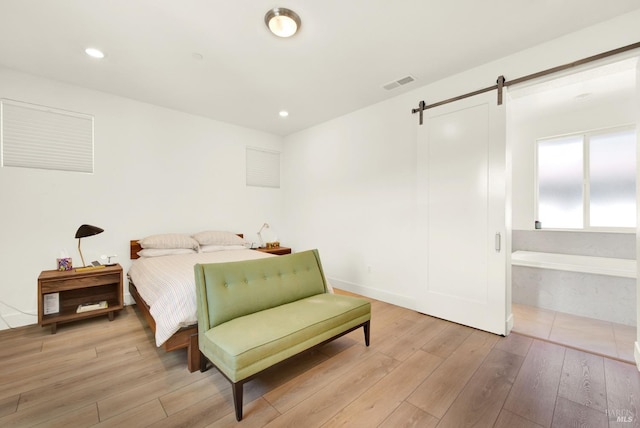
(163, 287)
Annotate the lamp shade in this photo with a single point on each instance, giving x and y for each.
(84, 231)
(88, 230)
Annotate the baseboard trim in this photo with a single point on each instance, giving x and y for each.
(509, 324)
(128, 299)
(16, 320)
(374, 293)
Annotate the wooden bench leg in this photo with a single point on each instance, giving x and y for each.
(366, 327)
(203, 363)
(237, 399)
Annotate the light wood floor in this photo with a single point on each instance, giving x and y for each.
(418, 372)
(587, 334)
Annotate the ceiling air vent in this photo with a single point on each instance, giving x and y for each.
(398, 83)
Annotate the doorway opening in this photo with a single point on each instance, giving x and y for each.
(556, 299)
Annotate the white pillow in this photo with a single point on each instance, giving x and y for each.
(158, 252)
(169, 240)
(218, 237)
(212, 248)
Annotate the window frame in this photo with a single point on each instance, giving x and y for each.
(586, 200)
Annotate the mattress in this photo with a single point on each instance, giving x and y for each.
(167, 285)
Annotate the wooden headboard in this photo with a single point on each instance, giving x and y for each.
(135, 247)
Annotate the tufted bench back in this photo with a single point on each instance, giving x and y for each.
(230, 290)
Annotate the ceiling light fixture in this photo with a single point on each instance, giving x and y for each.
(284, 113)
(94, 53)
(282, 22)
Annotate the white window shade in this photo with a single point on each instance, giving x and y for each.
(588, 181)
(560, 182)
(34, 136)
(612, 185)
(263, 168)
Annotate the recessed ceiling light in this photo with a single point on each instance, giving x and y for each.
(282, 22)
(94, 53)
(284, 113)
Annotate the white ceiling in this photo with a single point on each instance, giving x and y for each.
(614, 80)
(339, 61)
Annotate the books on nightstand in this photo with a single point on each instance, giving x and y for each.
(51, 303)
(87, 307)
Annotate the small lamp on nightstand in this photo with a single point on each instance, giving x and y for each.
(272, 240)
(82, 232)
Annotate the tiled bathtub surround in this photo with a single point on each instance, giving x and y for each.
(617, 245)
(601, 297)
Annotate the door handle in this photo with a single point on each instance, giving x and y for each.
(498, 243)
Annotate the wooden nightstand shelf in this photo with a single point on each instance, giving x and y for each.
(279, 251)
(75, 288)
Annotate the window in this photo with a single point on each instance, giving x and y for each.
(263, 168)
(34, 136)
(587, 181)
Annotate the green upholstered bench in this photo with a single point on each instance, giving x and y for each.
(253, 314)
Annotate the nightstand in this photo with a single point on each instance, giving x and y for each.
(279, 251)
(74, 288)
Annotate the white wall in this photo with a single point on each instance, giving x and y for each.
(156, 171)
(349, 191)
(349, 183)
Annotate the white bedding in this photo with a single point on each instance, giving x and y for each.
(167, 285)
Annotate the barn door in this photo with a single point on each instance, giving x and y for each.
(461, 194)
